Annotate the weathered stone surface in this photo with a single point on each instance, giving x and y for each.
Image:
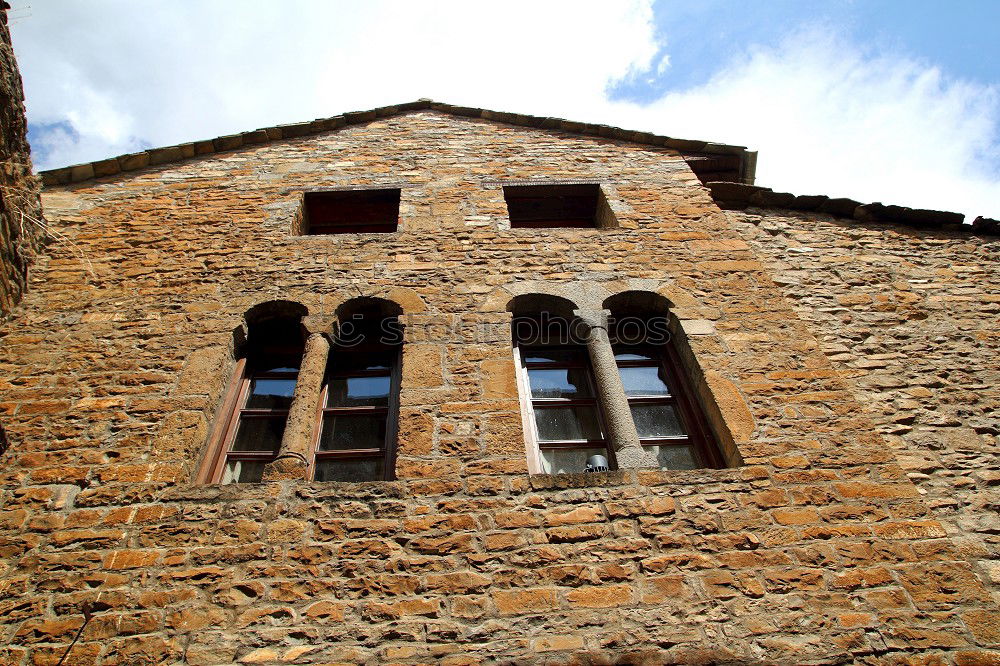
(819, 548)
(738, 196)
(910, 321)
(735, 195)
(21, 226)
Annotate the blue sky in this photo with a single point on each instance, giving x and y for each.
(960, 37)
(896, 101)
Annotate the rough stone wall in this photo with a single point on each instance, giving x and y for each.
(20, 211)
(912, 317)
(817, 549)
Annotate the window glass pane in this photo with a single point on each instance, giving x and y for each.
(656, 421)
(243, 471)
(674, 457)
(542, 355)
(568, 461)
(567, 423)
(358, 392)
(349, 469)
(259, 433)
(359, 431)
(644, 381)
(559, 383)
(270, 393)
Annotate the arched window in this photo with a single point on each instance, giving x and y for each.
(359, 404)
(302, 408)
(563, 420)
(668, 419)
(252, 421)
(605, 384)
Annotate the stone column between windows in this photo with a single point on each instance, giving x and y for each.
(294, 456)
(622, 435)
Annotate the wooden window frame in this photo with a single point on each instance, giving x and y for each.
(230, 414)
(391, 411)
(688, 413)
(533, 445)
(210, 471)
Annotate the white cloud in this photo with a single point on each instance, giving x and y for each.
(826, 116)
(182, 71)
(663, 65)
(831, 119)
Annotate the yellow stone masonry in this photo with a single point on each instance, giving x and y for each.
(819, 544)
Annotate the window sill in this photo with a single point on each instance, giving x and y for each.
(349, 235)
(304, 489)
(643, 477)
(582, 480)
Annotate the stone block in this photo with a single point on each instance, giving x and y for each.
(523, 601)
(134, 161)
(422, 366)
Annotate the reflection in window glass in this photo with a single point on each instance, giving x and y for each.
(361, 394)
(675, 457)
(348, 363)
(270, 393)
(567, 423)
(276, 364)
(259, 433)
(542, 355)
(349, 469)
(358, 392)
(254, 422)
(633, 356)
(559, 383)
(656, 421)
(243, 471)
(568, 461)
(361, 431)
(647, 381)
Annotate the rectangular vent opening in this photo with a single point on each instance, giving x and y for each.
(546, 206)
(351, 211)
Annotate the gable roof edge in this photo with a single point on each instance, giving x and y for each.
(156, 156)
(736, 196)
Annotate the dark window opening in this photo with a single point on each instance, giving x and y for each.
(351, 211)
(359, 407)
(255, 429)
(543, 206)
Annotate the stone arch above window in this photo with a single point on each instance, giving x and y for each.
(258, 315)
(584, 294)
(368, 306)
(303, 406)
(276, 309)
(637, 302)
(532, 303)
(608, 385)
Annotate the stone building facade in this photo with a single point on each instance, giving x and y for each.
(22, 229)
(21, 226)
(844, 371)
